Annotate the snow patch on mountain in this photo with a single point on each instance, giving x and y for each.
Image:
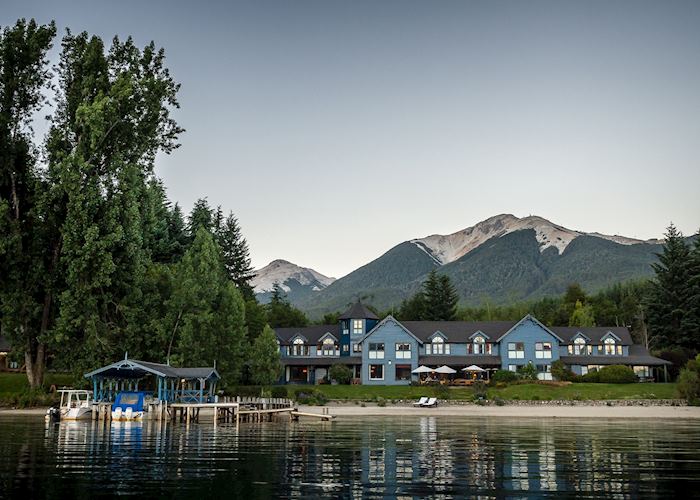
(280, 271)
(448, 248)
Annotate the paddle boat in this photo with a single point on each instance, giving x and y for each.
(75, 405)
(129, 406)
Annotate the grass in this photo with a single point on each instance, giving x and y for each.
(580, 391)
(12, 384)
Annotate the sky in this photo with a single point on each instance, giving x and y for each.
(336, 130)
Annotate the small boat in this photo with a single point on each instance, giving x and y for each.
(129, 406)
(75, 405)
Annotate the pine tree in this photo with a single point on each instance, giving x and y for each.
(236, 255)
(201, 216)
(669, 293)
(265, 358)
(690, 323)
(582, 315)
(281, 314)
(440, 298)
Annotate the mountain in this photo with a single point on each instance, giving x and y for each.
(298, 282)
(502, 259)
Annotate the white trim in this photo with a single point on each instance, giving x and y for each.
(534, 320)
(383, 322)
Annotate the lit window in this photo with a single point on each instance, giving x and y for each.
(299, 348)
(356, 347)
(543, 350)
(358, 326)
(479, 346)
(438, 346)
(329, 347)
(346, 348)
(376, 372)
(376, 351)
(609, 347)
(516, 350)
(579, 348)
(403, 351)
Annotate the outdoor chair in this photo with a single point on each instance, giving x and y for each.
(432, 402)
(421, 401)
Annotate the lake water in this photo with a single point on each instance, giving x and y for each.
(352, 457)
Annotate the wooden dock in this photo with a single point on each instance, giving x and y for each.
(226, 410)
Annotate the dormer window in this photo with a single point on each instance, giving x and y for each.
(358, 326)
(610, 347)
(579, 348)
(479, 346)
(328, 347)
(437, 346)
(299, 348)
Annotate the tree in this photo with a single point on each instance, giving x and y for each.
(582, 315)
(26, 262)
(201, 216)
(341, 374)
(669, 293)
(440, 298)
(236, 256)
(265, 358)
(205, 312)
(689, 381)
(413, 309)
(281, 314)
(690, 323)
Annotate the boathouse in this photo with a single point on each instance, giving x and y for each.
(170, 383)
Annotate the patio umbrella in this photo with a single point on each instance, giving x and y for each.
(423, 369)
(445, 369)
(473, 368)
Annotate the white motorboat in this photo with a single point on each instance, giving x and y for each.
(75, 405)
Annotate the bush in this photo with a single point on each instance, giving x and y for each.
(528, 372)
(341, 374)
(499, 402)
(442, 392)
(591, 377)
(381, 402)
(561, 372)
(479, 389)
(617, 374)
(279, 391)
(504, 376)
(689, 382)
(309, 396)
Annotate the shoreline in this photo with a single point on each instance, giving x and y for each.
(472, 410)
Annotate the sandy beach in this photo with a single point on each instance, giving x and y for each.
(514, 411)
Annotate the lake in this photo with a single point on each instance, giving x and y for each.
(352, 457)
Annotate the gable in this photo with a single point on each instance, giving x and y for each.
(327, 335)
(438, 333)
(530, 321)
(390, 321)
(479, 333)
(610, 335)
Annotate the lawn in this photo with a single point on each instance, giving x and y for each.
(520, 391)
(14, 383)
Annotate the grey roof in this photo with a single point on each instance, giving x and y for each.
(311, 333)
(595, 333)
(133, 368)
(5, 345)
(479, 360)
(358, 311)
(638, 356)
(458, 331)
(320, 361)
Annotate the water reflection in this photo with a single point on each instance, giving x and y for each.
(388, 457)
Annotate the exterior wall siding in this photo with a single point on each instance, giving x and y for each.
(390, 333)
(528, 332)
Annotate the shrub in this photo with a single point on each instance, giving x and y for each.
(591, 377)
(617, 374)
(528, 372)
(479, 390)
(442, 392)
(499, 402)
(279, 391)
(689, 382)
(504, 376)
(309, 396)
(561, 372)
(381, 402)
(341, 374)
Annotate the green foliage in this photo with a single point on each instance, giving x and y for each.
(689, 382)
(582, 315)
(480, 390)
(592, 376)
(528, 372)
(309, 396)
(561, 372)
(341, 374)
(617, 374)
(281, 314)
(442, 392)
(436, 301)
(265, 358)
(504, 376)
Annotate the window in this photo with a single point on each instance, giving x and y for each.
(579, 348)
(346, 327)
(358, 326)
(543, 350)
(376, 351)
(479, 346)
(610, 348)
(403, 351)
(329, 347)
(516, 350)
(356, 347)
(403, 372)
(512, 368)
(544, 372)
(642, 371)
(299, 348)
(346, 348)
(584, 370)
(437, 346)
(376, 372)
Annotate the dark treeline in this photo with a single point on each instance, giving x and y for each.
(95, 261)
